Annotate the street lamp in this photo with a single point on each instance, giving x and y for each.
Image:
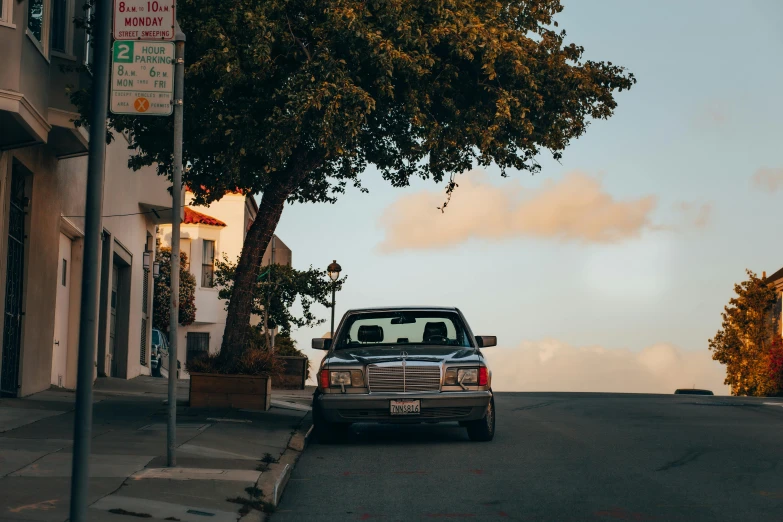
(155, 266)
(334, 274)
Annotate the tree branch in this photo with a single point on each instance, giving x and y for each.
(297, 40)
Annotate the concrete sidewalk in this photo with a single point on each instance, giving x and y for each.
(232, 464)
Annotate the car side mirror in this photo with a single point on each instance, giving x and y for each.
(485, 341)
(319, 343)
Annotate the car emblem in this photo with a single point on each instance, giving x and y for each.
(404, 356)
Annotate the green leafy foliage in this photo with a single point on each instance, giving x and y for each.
(278, 289)
(162, 295)
(748, 341)
(295, 98)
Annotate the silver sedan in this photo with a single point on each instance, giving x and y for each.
(404, 365)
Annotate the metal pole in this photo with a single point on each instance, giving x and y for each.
(331, 336)
(272, 262)
(93, 228)
(176, 209)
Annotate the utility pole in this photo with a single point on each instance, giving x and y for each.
(93, 228)
(176, 210)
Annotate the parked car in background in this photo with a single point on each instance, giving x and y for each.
(160, 345)
(404, 365)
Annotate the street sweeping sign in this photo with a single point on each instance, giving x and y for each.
(144, 20)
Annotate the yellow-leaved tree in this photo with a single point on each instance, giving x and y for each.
(748, 336)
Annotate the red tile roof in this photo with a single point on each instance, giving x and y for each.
(197, 218)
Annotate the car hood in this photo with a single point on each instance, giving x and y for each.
(373, 355)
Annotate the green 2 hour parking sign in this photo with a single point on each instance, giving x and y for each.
(142, 78)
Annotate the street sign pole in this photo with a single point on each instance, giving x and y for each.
(176, 201)
(93, 228)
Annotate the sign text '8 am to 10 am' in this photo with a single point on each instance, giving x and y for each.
(144, 19)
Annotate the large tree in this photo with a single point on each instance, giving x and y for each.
(277, 289)
(747, 340)
(293, 99)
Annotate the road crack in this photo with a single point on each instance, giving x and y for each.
(690, 456)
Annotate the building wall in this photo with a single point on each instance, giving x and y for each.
(11, 44)
(40, 267)
(123, 191)
(56, 190)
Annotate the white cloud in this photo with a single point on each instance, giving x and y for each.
(694, 214)
(767, 179)
(575, 208)
(551, 365)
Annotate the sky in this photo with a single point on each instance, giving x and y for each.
(607, 271)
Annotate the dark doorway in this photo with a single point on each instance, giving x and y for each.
(115, 279)
(12, 327)
(119, 313)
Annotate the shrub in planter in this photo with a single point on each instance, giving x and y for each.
(253, 361)
(240, 382)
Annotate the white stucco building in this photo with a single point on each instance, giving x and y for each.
(43, 167)
(207, 233)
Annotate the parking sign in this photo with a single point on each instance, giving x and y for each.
(142, 78)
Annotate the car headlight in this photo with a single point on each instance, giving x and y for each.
(342, 378)
(467, 376)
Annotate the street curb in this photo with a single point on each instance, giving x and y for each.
(280, 484)
(273, 482)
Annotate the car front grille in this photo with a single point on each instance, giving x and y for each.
(398, 378)
(426, 413)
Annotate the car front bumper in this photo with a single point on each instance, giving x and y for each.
(375, 407)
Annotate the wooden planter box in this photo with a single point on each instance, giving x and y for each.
(295, 373)
(211, 390)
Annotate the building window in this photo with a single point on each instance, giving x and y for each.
(38, 23)
(88, 41)
(6, 12)
(197, 344)
(60, 25)
(184, 248)
(208, 264)
(65, 268)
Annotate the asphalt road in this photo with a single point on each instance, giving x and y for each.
(557, 458)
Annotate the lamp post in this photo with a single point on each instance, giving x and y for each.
(334, 274)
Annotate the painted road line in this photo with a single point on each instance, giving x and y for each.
(774, 404)
(286, 405)
(232, 475)
(215, 419)
(158, 510)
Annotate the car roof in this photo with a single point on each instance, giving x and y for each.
(403, 309)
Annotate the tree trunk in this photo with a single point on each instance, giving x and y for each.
(249, 267)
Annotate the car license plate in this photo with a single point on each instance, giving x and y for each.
(409, 407)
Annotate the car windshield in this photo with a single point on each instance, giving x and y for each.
(408, 328)
(156, 336)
